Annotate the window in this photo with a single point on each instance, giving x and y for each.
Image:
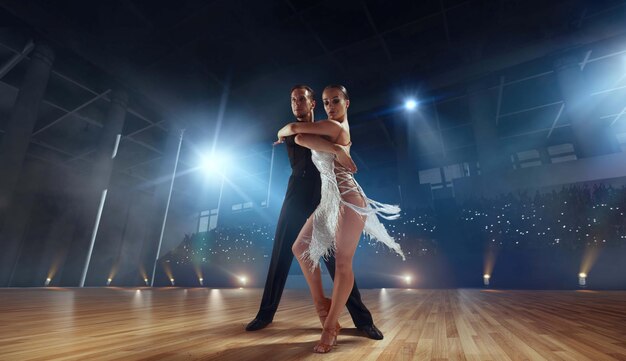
(431, 176)
(242, 207)
(525, 159)
(213, 219)
(208, 220)
(451, 172)
(203, 222)
(562, 153)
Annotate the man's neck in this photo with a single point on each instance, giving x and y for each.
(306, 118)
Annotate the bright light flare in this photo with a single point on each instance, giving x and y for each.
(243, 280)
(589, 259)
(215, 163)
(407, 279)
(410, 104)
(489, 260)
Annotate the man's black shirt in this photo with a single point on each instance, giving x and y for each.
(300, 158)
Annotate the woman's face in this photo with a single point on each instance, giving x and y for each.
(335, 104)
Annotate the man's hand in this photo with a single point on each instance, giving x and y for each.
(279, 141)
(343, 157)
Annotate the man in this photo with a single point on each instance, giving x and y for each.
(303, 196)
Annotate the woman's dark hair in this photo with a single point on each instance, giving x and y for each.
(341, 88)
(305, 87)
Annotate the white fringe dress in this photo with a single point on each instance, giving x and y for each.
(336, 182)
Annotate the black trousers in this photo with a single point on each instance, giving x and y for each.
(303, 196)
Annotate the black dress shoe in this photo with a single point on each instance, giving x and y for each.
(372, 332)
(258, 324)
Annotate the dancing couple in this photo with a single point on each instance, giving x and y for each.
(323, 215)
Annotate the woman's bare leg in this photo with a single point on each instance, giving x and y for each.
(313, 278)
(348, 234)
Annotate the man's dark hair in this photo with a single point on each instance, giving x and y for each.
(305, 87)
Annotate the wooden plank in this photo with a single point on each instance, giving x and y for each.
(208, 324)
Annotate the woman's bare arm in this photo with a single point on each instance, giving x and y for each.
(324, 127)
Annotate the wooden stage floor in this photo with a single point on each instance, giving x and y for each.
(208, 324)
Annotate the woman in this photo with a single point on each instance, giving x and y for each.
(343, 214)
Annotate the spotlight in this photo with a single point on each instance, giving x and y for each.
(201, 281)
(48, 281)
(410, 104)
(486, 278)
(407, 279)
(108, 281)
(582, 279)
(243, 280)
(146, 281)
(172, 281)
(215, 163)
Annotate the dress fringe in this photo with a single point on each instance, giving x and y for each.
(326, 215)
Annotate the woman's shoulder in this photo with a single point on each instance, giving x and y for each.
(336, 127)
(335, 124)
(343, 130)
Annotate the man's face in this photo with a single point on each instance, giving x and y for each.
(301, 103)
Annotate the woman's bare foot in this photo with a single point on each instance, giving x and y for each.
(327, 340)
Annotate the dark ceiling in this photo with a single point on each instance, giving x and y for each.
(199, 47)
(201, 63)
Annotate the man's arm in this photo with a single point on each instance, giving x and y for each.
(318, 143)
